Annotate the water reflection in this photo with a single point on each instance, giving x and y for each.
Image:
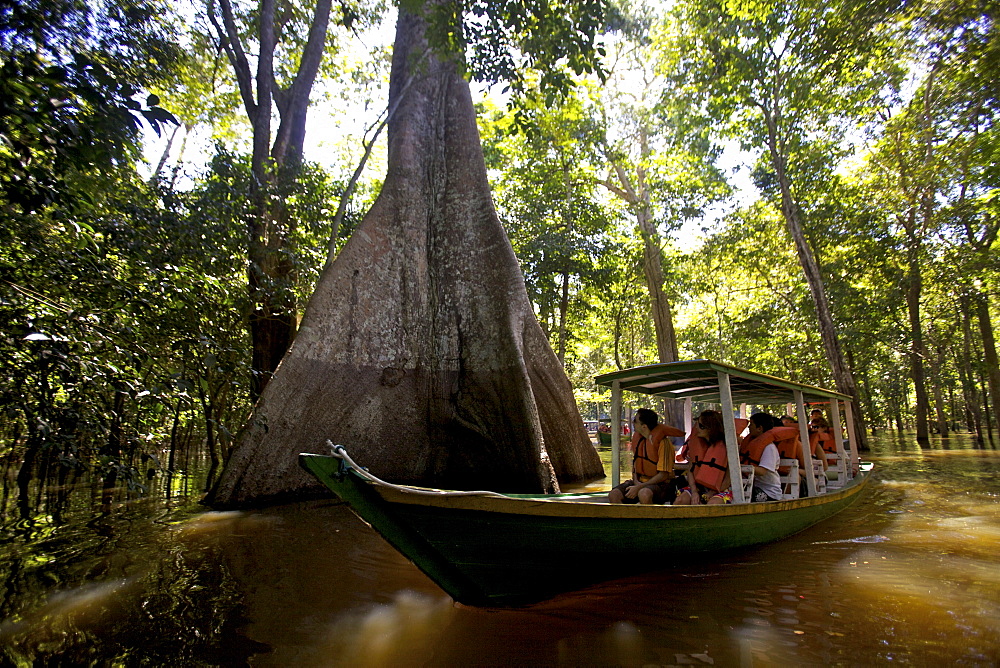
(909, 574)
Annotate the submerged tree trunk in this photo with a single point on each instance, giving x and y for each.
(939, 403)
(989, 352)
(918, 352)
(419, 350)
(969, 392)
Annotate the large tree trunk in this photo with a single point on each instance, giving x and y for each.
(419, 350)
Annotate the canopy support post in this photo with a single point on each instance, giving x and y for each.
(616, 432)
(855, 454)
(800, 413)
(687, 416)
(732, 449)
(838, 432)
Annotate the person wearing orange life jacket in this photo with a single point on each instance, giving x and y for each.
(819, 434)
(652, 462)
(759, 450)
(789, 444)
(708, 477)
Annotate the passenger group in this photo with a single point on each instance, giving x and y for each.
(701, 474)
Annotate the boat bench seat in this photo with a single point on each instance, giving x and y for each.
(836, 471)
(790, 480)
(819, 473)
(747, 472)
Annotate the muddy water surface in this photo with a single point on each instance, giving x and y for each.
(911, 575)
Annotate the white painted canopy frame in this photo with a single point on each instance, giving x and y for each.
(722, 384)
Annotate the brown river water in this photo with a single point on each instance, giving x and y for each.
(909, 575)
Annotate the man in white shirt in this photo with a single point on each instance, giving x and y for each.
(766, 481)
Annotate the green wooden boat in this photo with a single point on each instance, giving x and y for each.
(490, 549)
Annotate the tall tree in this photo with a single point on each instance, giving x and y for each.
(661, 159)
(791, 78)
(419, 349)
(276, 154)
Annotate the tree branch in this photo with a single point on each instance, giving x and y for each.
(237, 57)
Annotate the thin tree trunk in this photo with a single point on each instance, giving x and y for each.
(166, 153)
(967, 375)
(939, 404)
(987, 412)
(345, 198)
(636, 194)
(990, 361)
(842, 375)
(918, 352)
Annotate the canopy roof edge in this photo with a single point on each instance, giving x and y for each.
(698, 380)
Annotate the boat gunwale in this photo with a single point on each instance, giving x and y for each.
(561, 506)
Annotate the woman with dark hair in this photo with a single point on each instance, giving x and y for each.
(819, 433)
(708, 477)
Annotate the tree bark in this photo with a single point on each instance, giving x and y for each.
(989, 352)
(918, 351)
(419, 350)
(636, 194)
(941, 414)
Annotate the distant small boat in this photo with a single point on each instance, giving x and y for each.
(490, 549)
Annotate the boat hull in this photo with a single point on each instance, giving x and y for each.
(487, 549)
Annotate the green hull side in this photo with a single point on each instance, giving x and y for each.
(499, 558)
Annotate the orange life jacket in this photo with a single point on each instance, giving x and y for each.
(825, 439)
(709, 462)
(752, 449)
(644, 457)
(685, 454)
(786, 439)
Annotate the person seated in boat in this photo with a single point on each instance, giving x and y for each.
(816, 414)
(819, 434)
(821, 443)
(758, 449)
(708, 477)
(788, 441)
(652, 462)
(789, 421)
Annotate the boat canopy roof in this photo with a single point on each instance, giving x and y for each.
(699, 380)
